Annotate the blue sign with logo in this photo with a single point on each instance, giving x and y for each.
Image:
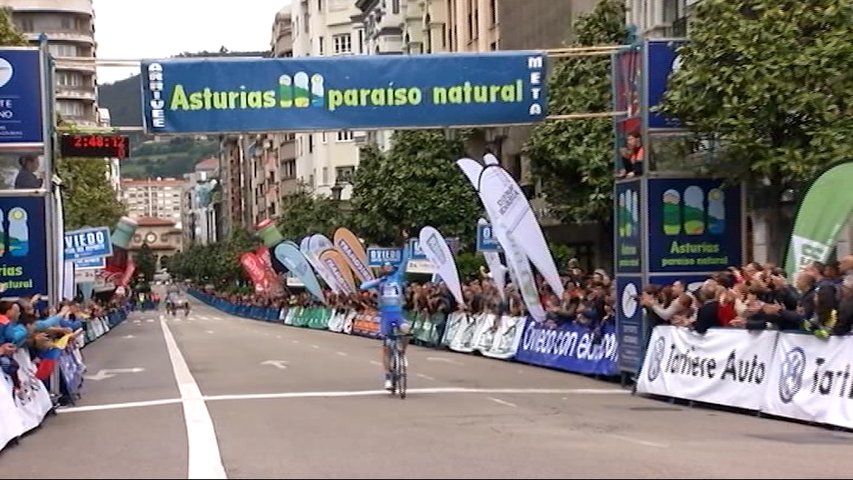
(204, 95)
(629, 230)
(91, 263)
(486, 239)
(87, 243)
(23, 247)
(415, 252)
(21, 94)
(570, 347)
(661, 61)
(695, 225)
(377, 256)
(631, 329)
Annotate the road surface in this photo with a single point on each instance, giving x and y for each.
(215, 396)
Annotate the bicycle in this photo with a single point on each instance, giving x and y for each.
(397, 362)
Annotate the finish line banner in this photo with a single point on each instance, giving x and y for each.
(218, 95)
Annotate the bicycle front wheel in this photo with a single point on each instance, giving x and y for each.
(400, 373)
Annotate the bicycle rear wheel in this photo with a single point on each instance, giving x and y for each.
(400, 372)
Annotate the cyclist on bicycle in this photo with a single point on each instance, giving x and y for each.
(392, 296)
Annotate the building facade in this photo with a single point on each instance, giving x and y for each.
(284, 144)
(161, 235)
(325, 161)
(198, 204)
(70, 29)
(160, 198)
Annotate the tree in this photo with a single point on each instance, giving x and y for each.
(574, 158)
(217, 263)
(146, 262)
(304, 214)
(768, 82)
(416, 183)
(87, 196)
(9, 35)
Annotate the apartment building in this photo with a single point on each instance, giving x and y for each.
(325, 161)
(70, 29)
(199, 203)
(156, 197)
(660, 18)
(284, 144)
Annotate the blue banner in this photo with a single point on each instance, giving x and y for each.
(416, 253)
(661, 61)
(91, 263)
(486, 239)
(629, 233)
(569, 347)
(23, 247)
(377, 256)
(21, 94)
(695, 225)
(87, 243)
(204, 95)
(631, 330)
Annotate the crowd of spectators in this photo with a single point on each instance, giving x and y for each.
(759, 297)
(41, 331)
(755, 296)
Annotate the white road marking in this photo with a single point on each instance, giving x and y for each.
(502, 402)
(374, 362)
(425, 377)
(294, 341)
(209, 332)
(129, 336)
(281, 364)
(356, 393)
(315, 346)
(137, 321)
(278, 336)
(203, 457)
(637, 441)
(342, 354)
(112, 372)
(150, 320)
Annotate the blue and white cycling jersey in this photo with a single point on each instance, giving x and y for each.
(392, 289)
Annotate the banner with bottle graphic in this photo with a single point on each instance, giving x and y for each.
(254, 268)
(695, 225)
(23, 247)
(629, 233)
(353, 252)
(216, 95)
(823, 211)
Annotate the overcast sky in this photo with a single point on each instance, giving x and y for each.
(134, 29)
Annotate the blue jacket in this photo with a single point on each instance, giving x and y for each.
(392, 287)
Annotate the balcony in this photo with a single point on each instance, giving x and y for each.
(72, 36)
(287, 150)
(75, 93)
(67, 6)
(78, 64)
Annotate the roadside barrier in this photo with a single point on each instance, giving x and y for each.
(25, 400)
(570, 347)
(786, 374)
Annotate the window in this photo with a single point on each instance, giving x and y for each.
(493, 11)
(344, 174)
(342, 44)
(288, 169)
(60, 50)
(493, 46)
(26, 25)
(305, 21)
(69, 79)
(320, 48)
(361, 41)
(310, 143)
(65, 23)
(323, 137)
(72, 109)
(344, 136)
(320, 5)
(395, 6)
(325, 175)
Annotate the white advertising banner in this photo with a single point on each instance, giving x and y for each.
(505, 337)
(10, 423)
(435, 248)
(33, 401)
(464, 332)
(812, 379)
(723, 366)
(310, 247)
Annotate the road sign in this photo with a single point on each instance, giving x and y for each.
(88, 243)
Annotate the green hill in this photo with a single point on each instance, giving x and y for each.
(148, 159)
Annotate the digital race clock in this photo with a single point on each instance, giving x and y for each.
(94, 145)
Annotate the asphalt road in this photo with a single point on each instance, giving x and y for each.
(214, 396)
